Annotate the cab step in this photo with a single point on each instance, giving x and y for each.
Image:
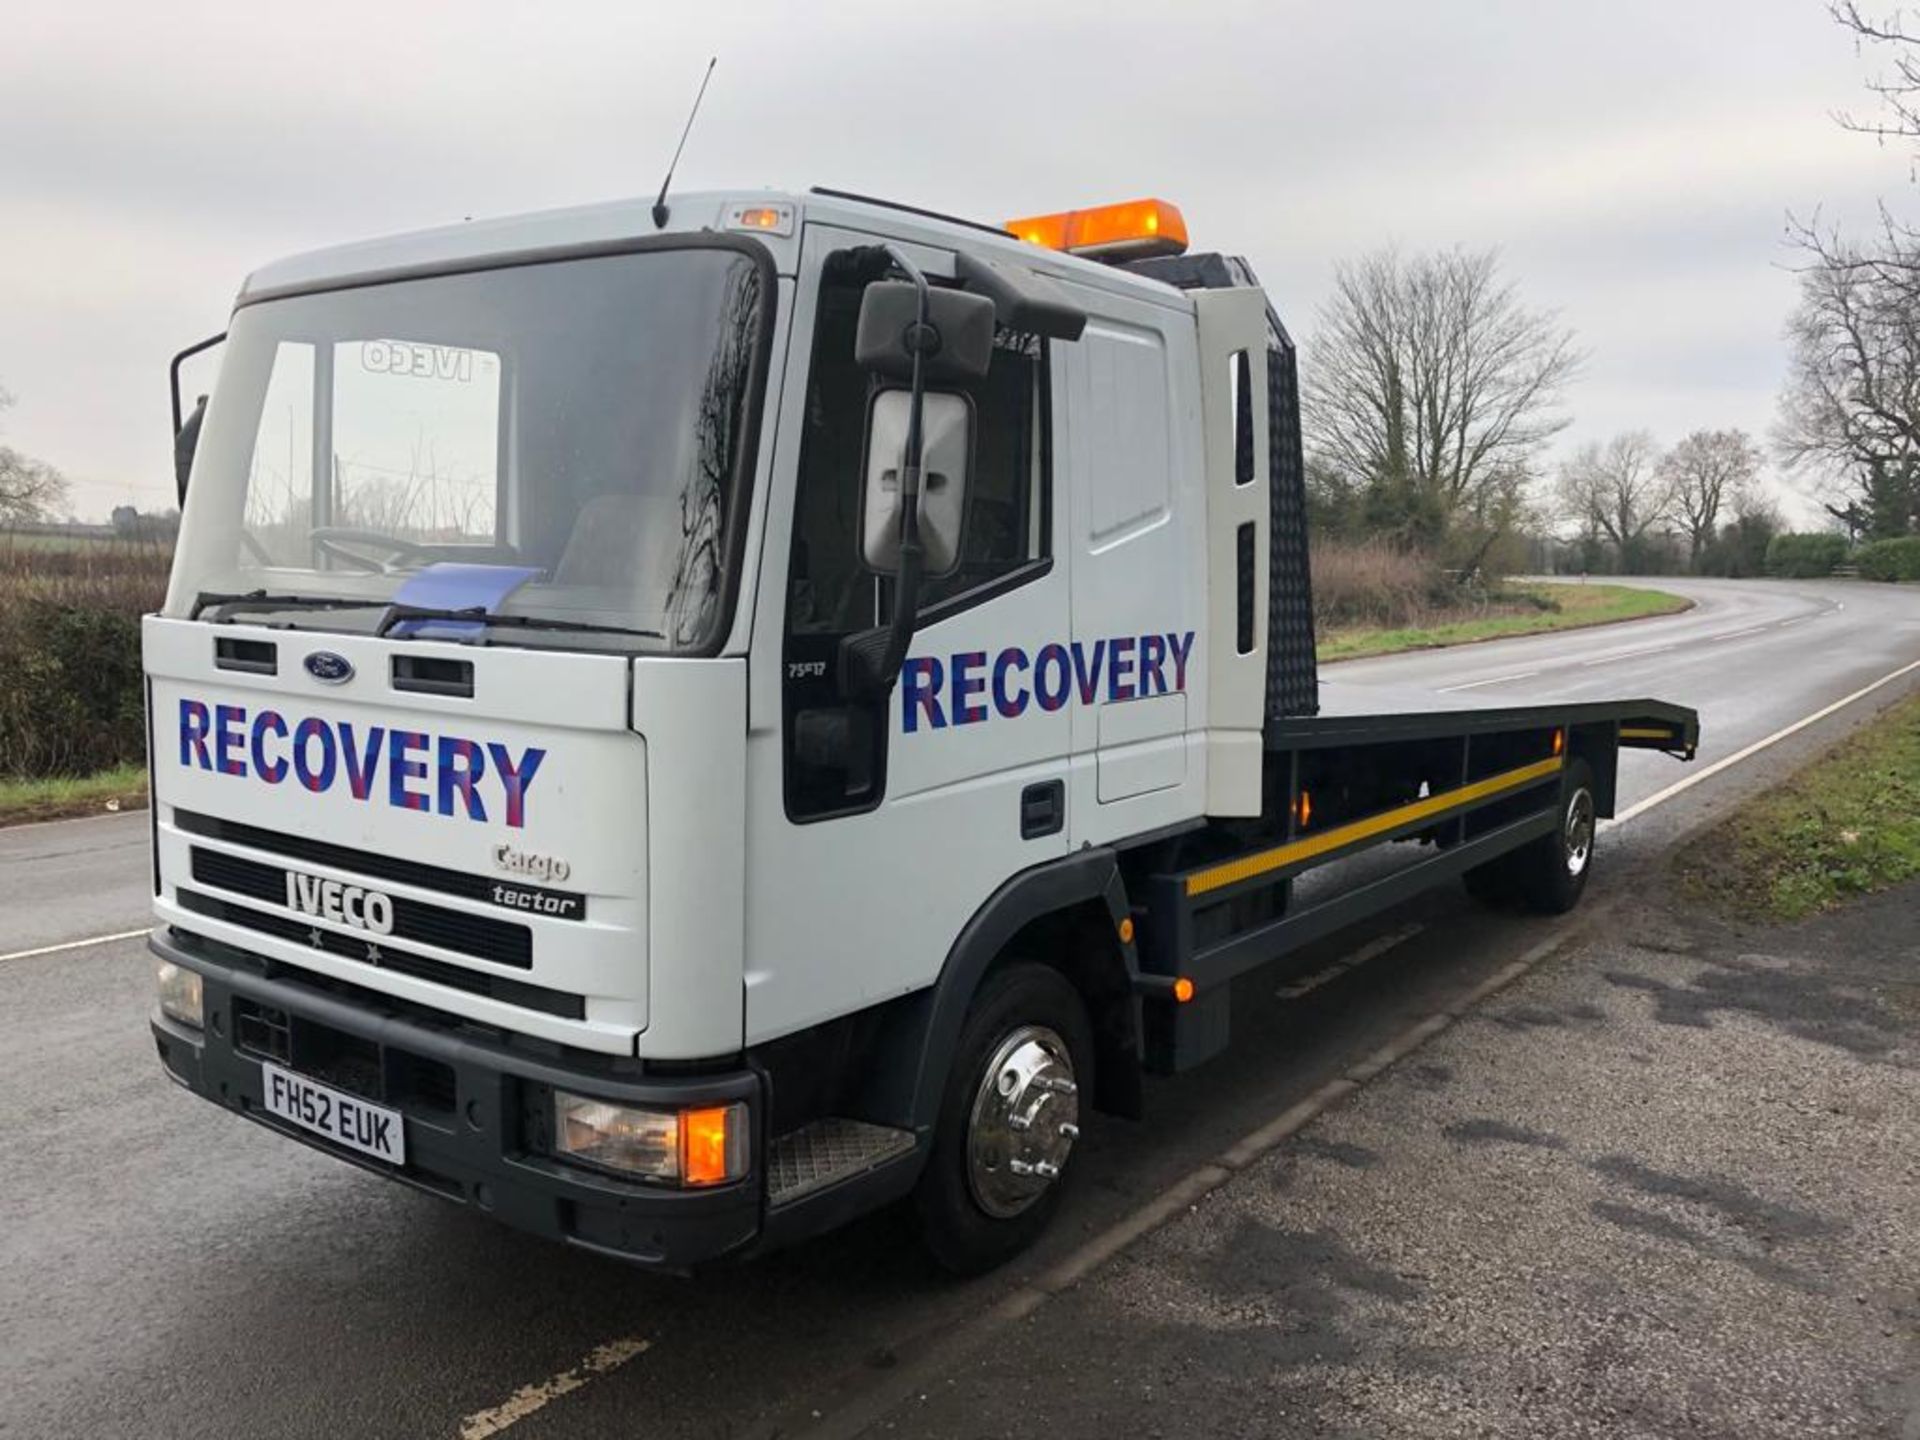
(826, 1152)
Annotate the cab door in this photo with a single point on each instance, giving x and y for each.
(878, 826)
(1131, 412)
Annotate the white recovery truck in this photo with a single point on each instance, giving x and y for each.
(677, 726)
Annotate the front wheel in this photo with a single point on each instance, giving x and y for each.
(1009, 1116)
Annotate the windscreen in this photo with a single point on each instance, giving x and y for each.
(572, 434)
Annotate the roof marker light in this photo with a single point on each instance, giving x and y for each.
(1132, 230)
(766, 219)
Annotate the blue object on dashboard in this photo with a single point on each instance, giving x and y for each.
(453, 585)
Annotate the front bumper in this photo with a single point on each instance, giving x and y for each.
(476, 1111)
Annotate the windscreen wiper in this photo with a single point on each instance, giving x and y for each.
(261, 600)
(480, 615)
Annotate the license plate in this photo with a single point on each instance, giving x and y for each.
(345, 1119)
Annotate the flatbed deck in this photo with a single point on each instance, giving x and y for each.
(1359, 713)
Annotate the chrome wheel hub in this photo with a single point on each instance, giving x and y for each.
(1024, 1121)
(1579, 831)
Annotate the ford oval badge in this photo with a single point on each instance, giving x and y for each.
(326, 666)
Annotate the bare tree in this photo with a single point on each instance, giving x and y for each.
(29, 489)
(1617, 490)
(1899, 89)
(1709, 472)
(1850, 413)
(1433, 390)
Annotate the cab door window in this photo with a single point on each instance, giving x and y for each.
(835, 744)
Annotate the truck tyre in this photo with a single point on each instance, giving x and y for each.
(1008, 1119)
(1550, 874)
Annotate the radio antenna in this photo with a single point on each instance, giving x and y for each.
(660, 205)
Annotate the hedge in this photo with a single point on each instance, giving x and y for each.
(72, 697)
(1890, 559)
(1805, 557)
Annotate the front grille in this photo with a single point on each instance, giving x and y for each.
(565, 904)
(359, 1066)
(262, 1031)
(478, 935)
(369, 951)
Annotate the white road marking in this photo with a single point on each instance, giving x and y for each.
(1497, 680)
(1628, 655)
(1372, 950)
(1736, 634)
(1797, 620)
(1660, 797)
(75, 944)
(529, 1398)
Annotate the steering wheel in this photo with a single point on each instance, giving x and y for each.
(333, 540)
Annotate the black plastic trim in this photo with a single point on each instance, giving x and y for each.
(252, 657)
(911, 210)
(352, 948)
(1002, 584)
(1214, 965)
(565, 904)
(511, 260)
(432, 675)
(485, 937)
(914, 1071)
(481, 1155)
(1043, 809)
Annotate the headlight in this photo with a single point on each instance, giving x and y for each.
(704, 1146)
(179, 993)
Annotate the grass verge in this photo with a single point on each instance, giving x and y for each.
(1548, 607)
(1847, 824)
(23, 802)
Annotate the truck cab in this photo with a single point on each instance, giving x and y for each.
(667, 732)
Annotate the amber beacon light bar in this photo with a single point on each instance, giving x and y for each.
(1131, 230)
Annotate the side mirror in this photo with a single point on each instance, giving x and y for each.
(962, 341)
(946, 452)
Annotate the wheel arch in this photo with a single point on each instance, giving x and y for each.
(1066, 914)
(1599, 746)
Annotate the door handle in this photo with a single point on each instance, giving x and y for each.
(1043, 809)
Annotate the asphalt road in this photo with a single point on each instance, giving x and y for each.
(172, 1271)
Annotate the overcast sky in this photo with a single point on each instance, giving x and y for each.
(1634, 159)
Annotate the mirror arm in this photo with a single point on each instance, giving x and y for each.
(185, 444)
(880, 676)
(173, 373)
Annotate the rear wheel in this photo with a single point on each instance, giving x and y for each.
(1547, 875)
(1551, 874)
(1008, 1120)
